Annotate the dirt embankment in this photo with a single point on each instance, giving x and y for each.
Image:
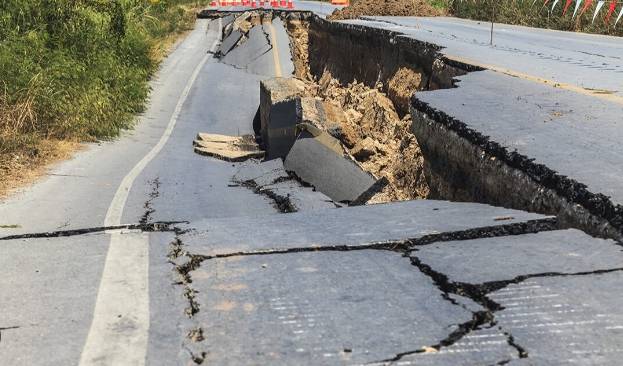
(372, 131)
(386, 8)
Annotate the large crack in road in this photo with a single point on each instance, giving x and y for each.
(194, 262)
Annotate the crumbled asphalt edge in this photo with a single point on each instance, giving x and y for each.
(406, 247)
(596, 204)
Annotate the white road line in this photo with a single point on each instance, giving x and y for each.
(276, 59)
(120, 327)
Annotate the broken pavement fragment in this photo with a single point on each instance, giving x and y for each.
(319, 159)
(228, 148)
(279, 114)
(270, 179)
(228, 43)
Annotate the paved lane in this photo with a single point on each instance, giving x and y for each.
(50, 286)
(581, 60)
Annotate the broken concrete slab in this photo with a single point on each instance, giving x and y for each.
(227, 20)
(550, 292)
(573, 320)
(229, 43)
(319, 160)
(271, 179)
(285, 64)
(228, 148)
(279, 114)
(300, 197)
(282, 108)
(253, 53)
(508, 257)
(357, 226)
(244, 140)
(261, 173)
(298, 309)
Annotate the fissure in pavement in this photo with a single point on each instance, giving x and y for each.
(158, 226)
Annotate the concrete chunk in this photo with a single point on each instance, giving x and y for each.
(228, 148)
(279, 114)
(229, 43)
(317, 160)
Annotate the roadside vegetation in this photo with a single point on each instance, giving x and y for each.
(76, 70)
(531, 14)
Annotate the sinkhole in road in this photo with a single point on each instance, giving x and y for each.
(367, 81)
(363, 82)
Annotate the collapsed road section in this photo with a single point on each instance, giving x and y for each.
(337, 280)
(405, 111)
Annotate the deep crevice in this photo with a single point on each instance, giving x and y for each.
(149, 210)
(406, 246)
(282, 203)
(157, 226)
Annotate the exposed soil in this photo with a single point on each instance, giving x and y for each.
(386, 7)
(300, 49)
(378, 139)
(370, 128)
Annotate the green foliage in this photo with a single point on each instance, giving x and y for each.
(440, 4)
(78, 68)
(533, 14)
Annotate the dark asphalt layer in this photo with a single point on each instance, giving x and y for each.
(572, 134)
(316, 304)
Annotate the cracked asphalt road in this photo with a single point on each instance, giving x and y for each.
(212, 272)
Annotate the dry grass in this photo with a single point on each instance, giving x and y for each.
(24, 168)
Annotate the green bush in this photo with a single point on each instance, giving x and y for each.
(533, 14)
(78, 69)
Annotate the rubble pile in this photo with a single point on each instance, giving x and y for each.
(377, 138)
